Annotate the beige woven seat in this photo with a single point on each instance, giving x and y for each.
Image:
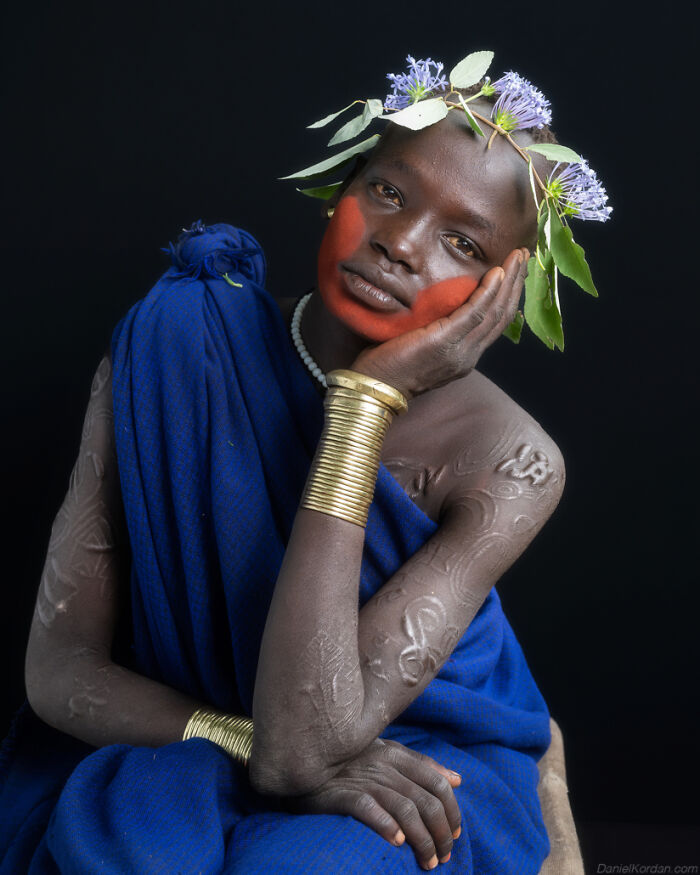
(565, 855)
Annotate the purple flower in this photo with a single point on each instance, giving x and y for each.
(414, 85)
(520, 105)
(579, 192)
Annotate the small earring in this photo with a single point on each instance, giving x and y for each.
(330, 211)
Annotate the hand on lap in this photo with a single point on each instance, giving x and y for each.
(401, 794)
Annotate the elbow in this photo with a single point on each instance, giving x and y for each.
(55, 678)
(40, 687)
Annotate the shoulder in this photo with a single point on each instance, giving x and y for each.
(504, 451)
(471, 435)
(495, 426)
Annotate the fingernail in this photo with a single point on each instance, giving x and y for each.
(399, 838)
(446, 859)
(457, 833)
(456, 775)
(432, 862)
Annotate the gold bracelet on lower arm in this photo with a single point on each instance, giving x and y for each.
(359, 410)
(233, 734)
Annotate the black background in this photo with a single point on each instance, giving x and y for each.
(124, 124)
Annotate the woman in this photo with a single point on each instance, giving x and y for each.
(413, 713)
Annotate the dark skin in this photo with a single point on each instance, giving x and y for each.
(472, 459)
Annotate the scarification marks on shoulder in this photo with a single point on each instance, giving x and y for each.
(471, 459)
(416, 479)
(481, 510)
(527, 463)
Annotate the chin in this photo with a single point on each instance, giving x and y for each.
(370, 325)
(430, 305)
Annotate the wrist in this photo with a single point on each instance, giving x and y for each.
(367, 365)
(359, 410)
(232, 733)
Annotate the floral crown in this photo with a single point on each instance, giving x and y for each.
(570, 190)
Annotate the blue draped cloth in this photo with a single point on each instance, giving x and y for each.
(216, 423)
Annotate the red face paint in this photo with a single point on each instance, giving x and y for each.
(342, 239)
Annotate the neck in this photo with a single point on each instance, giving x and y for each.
(331, 344)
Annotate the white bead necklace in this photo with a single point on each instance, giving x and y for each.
(304, 354)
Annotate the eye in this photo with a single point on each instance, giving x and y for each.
(386, 192)
(463, 245)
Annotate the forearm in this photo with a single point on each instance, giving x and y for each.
(309, 690)
(86, 695)
(310, 696)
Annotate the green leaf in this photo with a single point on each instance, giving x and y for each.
(513, 331)
(355, 126)
(419, 115)
(569, 257)
(541, 306)
(323, 192)
(335, 161)
(547, 228)
(555, 152)
(541, 221)
(470, 69)
(231, 282)
(470, 118)
(329, 118)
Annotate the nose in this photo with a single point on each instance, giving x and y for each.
(398, 239)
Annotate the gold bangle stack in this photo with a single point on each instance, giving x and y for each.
(359, 410)
(233, 734)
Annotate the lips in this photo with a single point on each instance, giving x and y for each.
(373, 287)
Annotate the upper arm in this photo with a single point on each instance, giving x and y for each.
(78, 598)
(409, 628)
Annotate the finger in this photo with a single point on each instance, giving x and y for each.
(407, 814)
(395, 749)
(502, 310)
(432, 810)
(362, 805)
(431, 776)
(517, 287)
(506, 303)
(449, 331)
(485, 307)
(440, 786)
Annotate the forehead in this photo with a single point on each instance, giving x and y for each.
(453, 165)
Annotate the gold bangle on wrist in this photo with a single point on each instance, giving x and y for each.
(359, 410)
(233, 734)
(358, 382)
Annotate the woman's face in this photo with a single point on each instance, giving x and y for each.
(419, 226)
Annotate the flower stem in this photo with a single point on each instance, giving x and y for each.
(523, 155)
(465, 99)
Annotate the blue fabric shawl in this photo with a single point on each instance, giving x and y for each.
(216, 422)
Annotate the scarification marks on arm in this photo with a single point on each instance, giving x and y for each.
(83, 537)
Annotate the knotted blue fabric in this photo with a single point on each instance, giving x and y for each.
(216, 423)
